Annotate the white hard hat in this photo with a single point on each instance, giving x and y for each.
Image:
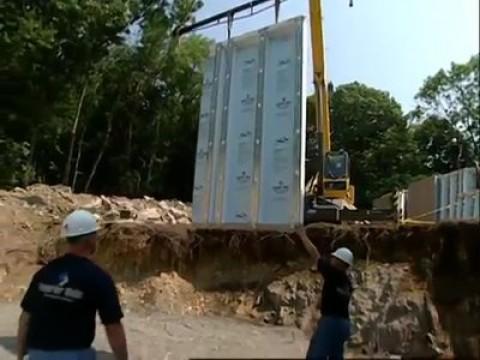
(344, 254)
(79, 222)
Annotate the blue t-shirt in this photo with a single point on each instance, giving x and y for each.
(63, 299)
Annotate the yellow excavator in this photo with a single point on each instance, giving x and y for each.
(332, 179)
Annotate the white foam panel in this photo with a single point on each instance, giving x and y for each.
(251, 142)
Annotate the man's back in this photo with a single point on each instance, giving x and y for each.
(63, 298)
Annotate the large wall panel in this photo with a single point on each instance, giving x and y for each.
(251, 143)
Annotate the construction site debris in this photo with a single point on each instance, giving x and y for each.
(56, 201)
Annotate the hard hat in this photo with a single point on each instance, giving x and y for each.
(79, 222)
(344, 254)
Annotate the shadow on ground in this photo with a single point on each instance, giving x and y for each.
(9, 344)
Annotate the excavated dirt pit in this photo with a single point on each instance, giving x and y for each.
(417, 288)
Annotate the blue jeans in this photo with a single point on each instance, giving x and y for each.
(85, 354)
(329, 338)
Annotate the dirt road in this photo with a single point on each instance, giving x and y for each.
(173, 337)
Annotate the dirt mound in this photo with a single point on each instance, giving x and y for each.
(36, 211)
(56, 201)
(172, 294)
(30, 219)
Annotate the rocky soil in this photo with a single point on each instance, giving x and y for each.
(416, 288)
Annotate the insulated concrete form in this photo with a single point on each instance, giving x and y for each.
(250, 157)
(458, 197)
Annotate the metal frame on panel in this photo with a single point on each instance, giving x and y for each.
(296, 216)
(445, 197)
(258, 129)
(468, 188)
(219, 185)
(219, 77)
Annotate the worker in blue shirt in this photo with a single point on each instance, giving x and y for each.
(63, 298)
(333, 328)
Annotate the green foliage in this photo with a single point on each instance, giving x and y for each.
(14, 161)
(454, 96)
(441, 146)
(137, 117)
(369, 124)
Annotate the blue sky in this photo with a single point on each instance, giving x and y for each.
(391, 45)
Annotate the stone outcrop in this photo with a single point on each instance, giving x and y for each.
(391, 314)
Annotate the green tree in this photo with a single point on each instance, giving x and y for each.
(454, 96)
(48, 48)
(95, 107)
(369, 124)
(441, 146)
(141, 131)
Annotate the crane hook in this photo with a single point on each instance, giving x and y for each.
(351, 3)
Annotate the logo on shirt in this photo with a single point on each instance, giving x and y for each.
(60, 291)
(63, 279)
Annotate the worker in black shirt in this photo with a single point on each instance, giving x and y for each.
(60, 305)
(333, 329)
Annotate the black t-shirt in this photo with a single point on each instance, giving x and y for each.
(63, 298)
(337, 290)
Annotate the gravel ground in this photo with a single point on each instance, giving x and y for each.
(161, 336)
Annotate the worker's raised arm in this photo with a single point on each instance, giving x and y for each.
(309, 246)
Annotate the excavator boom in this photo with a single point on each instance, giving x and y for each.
(333, 177)
(322, 115)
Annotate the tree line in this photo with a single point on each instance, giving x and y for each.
(101, 96)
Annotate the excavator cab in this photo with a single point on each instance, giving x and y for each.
(336, 176)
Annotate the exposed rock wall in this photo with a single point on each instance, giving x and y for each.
(417, 286)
